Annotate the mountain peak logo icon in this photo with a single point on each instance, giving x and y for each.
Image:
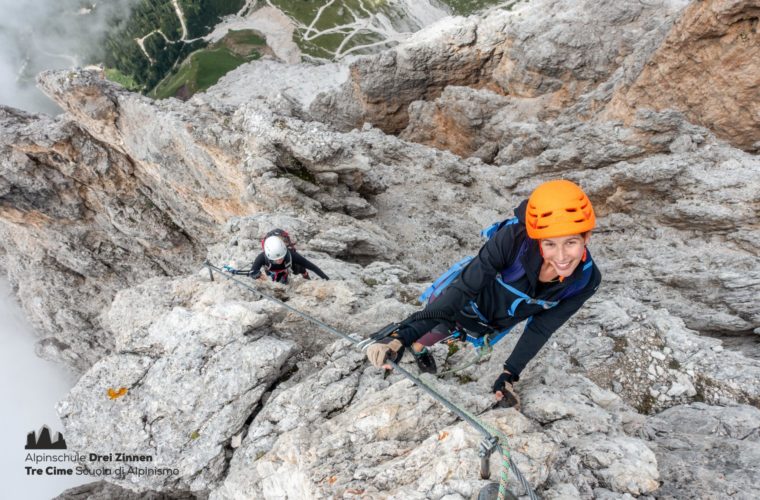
(43, 441)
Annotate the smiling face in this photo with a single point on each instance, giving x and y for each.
(564, 253)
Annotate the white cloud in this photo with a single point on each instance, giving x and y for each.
(47, 34)
(29, 389)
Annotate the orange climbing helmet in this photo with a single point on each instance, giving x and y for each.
(558, 208)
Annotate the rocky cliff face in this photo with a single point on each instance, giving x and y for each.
(384, 171)
(703, 70)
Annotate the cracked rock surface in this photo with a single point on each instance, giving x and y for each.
(384, 170)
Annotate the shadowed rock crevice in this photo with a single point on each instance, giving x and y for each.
(103, 232)
(747, 342)
(234, 442)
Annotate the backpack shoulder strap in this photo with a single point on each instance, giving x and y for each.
(489, 231)
(444, 280)
(515, 270)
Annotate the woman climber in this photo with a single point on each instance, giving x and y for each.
(535, 267)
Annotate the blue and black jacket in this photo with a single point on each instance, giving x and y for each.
(499, 306)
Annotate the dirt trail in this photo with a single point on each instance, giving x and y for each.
(181, 16)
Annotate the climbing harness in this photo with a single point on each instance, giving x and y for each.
(493, 439)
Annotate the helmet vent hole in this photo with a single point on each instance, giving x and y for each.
(546, 214)
(571, 210)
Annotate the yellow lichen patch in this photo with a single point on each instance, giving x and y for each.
(116, 393)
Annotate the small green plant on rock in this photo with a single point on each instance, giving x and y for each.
(646, 405)
(620, 344)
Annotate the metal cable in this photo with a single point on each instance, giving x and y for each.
(322, 325)
(487, 432)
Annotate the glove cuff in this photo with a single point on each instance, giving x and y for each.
(395, 345)
(510, 377)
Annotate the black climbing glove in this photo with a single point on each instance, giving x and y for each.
(254, 275)
(503, 385)
(504, 378)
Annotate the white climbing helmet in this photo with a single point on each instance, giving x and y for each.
(274, 248)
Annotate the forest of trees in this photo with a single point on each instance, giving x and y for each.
(157, 24)
(202, 15)
(124, 53)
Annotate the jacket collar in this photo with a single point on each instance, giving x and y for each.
(532, 262)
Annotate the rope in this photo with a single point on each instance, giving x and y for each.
(488, 433)
(475, 358)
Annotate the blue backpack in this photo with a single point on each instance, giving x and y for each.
(512, 273)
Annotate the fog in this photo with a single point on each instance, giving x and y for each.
(36, 35)
(29, 389)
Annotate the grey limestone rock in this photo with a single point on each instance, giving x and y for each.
(102, 490)
(107, 212)
(703, 449)
(192, 370)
